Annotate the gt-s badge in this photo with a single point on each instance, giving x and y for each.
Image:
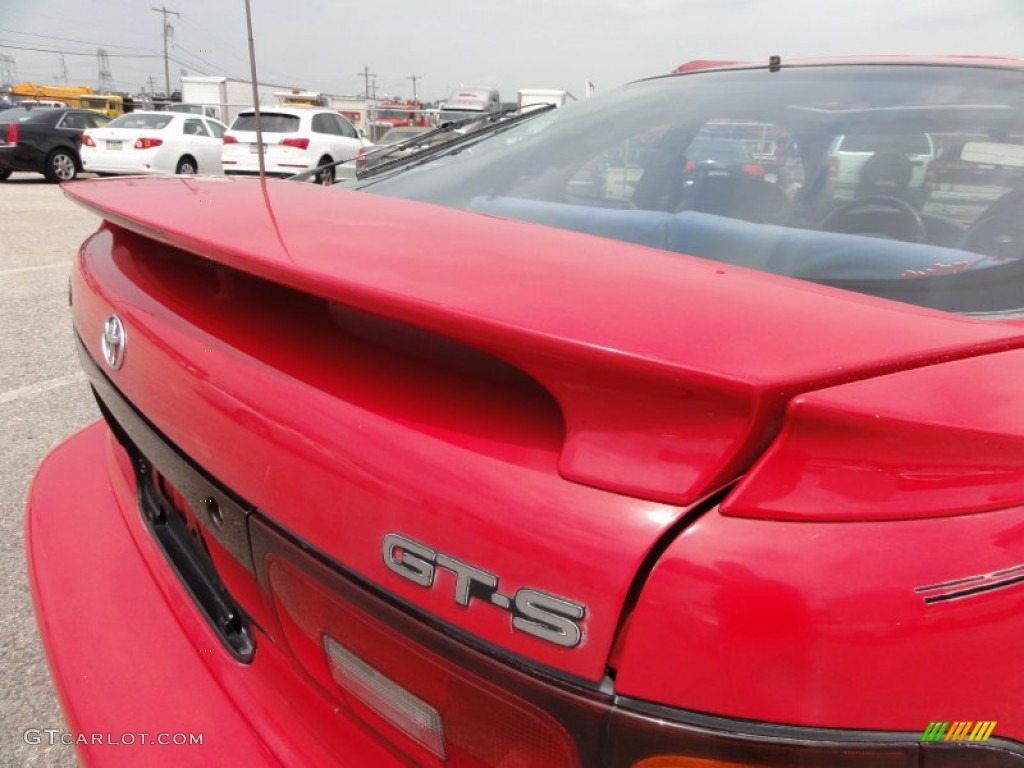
(540, 614)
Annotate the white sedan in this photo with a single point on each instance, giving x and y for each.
(154, 142)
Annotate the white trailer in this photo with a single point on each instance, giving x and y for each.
(356, 109)
(224, 97)
(528, 97)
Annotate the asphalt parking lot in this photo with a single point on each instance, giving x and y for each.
(43, 399)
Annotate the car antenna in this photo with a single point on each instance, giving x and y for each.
(255, 94)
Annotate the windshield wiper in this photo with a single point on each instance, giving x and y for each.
(487, 124)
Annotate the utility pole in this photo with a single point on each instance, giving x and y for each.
(414, 78)
(167, 28)
(152, 86)
(366, 75)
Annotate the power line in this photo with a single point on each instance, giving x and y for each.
(191, 59)
(188, 65)
(72, 40)
(224, 49)
(80, 53)
(222, 46)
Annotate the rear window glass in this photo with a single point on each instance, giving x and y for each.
(133, 120)
(270, 122)
(904, 144)
(25, 115)
(828, 174)
(725, 150)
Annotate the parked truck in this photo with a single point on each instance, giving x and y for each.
(70, 95)
(110, 104)
(222, 97)
(528, 97)
(469, 102)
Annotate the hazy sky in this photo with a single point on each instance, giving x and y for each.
(509, 44)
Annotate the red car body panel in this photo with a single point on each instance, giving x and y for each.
(779, 506)
(936, 442)
(832, 610)
(492, 284)
(899, 601)
(727, 400)
(225, 395)
(1007, 62)
(169, 671)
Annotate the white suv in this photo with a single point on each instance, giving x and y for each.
(295, 139)
(888, 164)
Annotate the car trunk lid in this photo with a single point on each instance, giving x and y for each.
(522, 408)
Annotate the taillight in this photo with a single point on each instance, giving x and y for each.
(418, 700)
(146, 143)
(372, 688)
(432, 695)
(12, 133)
(752, 169)
(426, 693)
(690, 166)
(653, 741)
(298, 143)
(87, 141)
(229, 139)
(361, 157)
(833, 166)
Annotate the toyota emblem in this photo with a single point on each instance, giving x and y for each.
(113, 341)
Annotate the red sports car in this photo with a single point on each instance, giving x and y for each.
(536, 449)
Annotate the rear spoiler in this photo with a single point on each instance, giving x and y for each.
(672, 372)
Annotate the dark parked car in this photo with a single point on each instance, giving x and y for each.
(45, 141)
(720, 157)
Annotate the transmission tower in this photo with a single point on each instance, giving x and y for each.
(63, 76)
(106, 81)
(8, 70)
